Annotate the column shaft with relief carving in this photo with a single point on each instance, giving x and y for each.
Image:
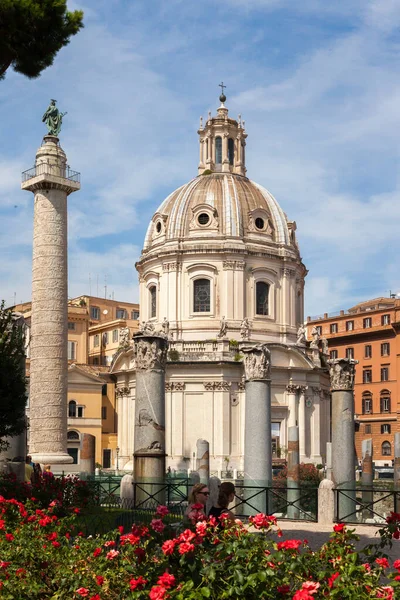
(149, 440)
(257, 435)
(342, 371)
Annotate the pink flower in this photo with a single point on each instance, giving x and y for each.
(382, 562)
(157, 525)
(162, 511)
(185, 547)
(169, 546)
(138, 583)
(157, 593)
(82, 592)
(367, 567)
(311, 587)
(112, 554)
(109, 544)
(201, 528)
(166, 580)
(262, 521)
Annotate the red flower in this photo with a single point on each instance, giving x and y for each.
(99, 579)
(386, 592)
(140, 553)
(185, 547)
(166, 580)
(283, 589)
(121, 529)
(339, 527)
(20, 572)
(168, 546)
(382, 562)
(157, 525)
(9, 537)
(56, 544)
(138, 583)
(162, 511)
(157, 593)
(96, 552)
(396, 564)
(186, 536)
(4, 565)
(331, 579)
(82, 592)
(262, 521)
(95, 597)
(289, 545)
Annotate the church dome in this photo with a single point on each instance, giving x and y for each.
(218, 205)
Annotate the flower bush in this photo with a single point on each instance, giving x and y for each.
(67, 491)
(43, 556)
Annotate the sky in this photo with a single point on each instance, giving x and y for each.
(317, 84)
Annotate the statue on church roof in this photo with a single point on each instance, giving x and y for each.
(53, 118)
(223, 328)
(301, 335)
(245, 329)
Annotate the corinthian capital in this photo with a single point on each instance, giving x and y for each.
(257, 362)
(150, 352)
(342, 371)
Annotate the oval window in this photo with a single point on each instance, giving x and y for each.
(260, 223)
(158, 227)
(203, 219)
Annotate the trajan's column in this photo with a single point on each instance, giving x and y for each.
(51, 181)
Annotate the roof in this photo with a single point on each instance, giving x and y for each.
(231, 198)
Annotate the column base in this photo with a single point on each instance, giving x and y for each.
(52, 458)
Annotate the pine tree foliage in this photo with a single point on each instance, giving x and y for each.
(12, 376)
(32, 32)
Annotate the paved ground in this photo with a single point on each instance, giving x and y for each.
(318, 534)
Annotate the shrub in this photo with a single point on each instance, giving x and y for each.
(44, 557)
(173, 355)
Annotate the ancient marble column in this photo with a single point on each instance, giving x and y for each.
(51, 182)
(203, 460)
(149, 444)
(293, 474)
(292, 405)
(302, 421)
(257, 431)
(367, 478)
(342, 372)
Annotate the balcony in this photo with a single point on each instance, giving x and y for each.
(52, 170)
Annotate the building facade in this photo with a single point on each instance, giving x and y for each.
(369, 333)
(221, 267)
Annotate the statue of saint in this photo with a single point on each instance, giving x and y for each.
(165, 327)
(301, 336)
(53, 118)
(315, 338)
(223, 328)
(245, 329)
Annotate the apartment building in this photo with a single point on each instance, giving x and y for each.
(369, 333)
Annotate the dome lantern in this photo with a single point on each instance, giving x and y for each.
(222, 143)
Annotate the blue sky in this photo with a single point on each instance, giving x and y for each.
(316, 82)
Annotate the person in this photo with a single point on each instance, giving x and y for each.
(28, 469)
(37, 473)
(196, 510)
(226, 494)
(47, 468)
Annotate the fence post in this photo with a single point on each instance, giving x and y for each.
(326, 502)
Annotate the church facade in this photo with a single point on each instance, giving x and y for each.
(221, 267)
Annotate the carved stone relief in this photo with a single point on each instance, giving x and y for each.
(150, 353)
(217, 386)
(257, 362)
(122, 391)
(342, 372)
(291, 389)
(178, 386)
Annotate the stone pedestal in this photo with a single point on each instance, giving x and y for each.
(149, 448)
(257, 432)
(88, 453)
(51, 183)
(343, 454)
(293, 474)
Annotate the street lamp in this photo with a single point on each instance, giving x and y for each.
(117, 451)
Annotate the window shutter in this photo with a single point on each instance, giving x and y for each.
(389, 407)
(363, 406)
(381, 405)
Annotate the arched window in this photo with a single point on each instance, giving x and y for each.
(73, 436)
(231, 150)
(386, 449)
(201, 295)
(153, 301)
(367, 403)
(72, 408)
(218, 150)
(262, 293)
(385, 401)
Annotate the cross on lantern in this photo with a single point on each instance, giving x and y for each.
(222, 86)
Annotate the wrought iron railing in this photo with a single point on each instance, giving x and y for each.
(47, 169)
(365, 505)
